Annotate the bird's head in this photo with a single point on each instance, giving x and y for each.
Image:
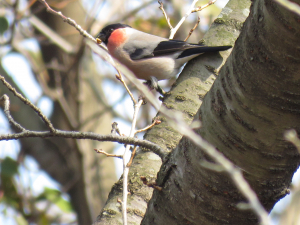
(108, 30)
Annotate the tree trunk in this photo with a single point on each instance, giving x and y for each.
(252, 102)
(186, 97)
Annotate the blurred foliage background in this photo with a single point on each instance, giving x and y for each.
(59, 181)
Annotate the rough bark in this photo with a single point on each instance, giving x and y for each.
(186, 96)
(252, 102)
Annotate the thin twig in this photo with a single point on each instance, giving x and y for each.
(87, 135)
(125, 167)
(66, 134)
(191, 10)
(156, 122)
(192, 30)
(204, 6)
(161, 7)
(150, 184)
(107, 154)
(6, 104)
(120, 78)
(71, 22)
(132, 156)
(174, 30)
(27, 102)
(115, 129)
(234, 172)
(52, 35)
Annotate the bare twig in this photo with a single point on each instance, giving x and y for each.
(132, 156)
(161, 7)
(120, 78)
(137, 106)
(86, 135)
(234, 172)
(107, 154)
(192, 30)
(229, 167)
(6, 105)
(27, 102)
(174, 30)
(204, 6)
(191, 10)
(115, 129)
(71, 22)
(65, 134)
(52, 35)
(150, 184)
(148, 127)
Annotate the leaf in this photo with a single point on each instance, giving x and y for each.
(10, 196)
(3, 25)
(9, 167)
(64, 205)
(55, 197)
(21, 220)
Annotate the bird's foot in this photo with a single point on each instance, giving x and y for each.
(154, 84)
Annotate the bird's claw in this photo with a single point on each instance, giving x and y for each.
(154, 84)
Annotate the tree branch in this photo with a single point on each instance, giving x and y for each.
(86, 135)
(72, 23)
(27, 102)
(137, 107)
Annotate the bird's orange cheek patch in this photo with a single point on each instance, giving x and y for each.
(116, 39)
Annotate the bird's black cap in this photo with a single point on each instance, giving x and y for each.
(106, 31)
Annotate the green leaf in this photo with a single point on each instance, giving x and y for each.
(10, 196)
(43, 219)
(55, 197)
(3, 25)
(9, 167)
(64, 205)
(21, 220)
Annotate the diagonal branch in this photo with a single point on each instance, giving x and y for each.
(71, 22)
(27, 102)
(161, 7)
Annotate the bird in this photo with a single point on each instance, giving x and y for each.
(150, 57)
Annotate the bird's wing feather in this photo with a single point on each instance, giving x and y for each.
(172, 46)
(163, 48)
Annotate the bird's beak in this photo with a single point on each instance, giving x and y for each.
(101, 36)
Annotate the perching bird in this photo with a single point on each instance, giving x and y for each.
(147, 55)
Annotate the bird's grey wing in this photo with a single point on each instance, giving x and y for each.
(140, 53)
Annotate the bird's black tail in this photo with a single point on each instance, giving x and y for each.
(203, 49)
